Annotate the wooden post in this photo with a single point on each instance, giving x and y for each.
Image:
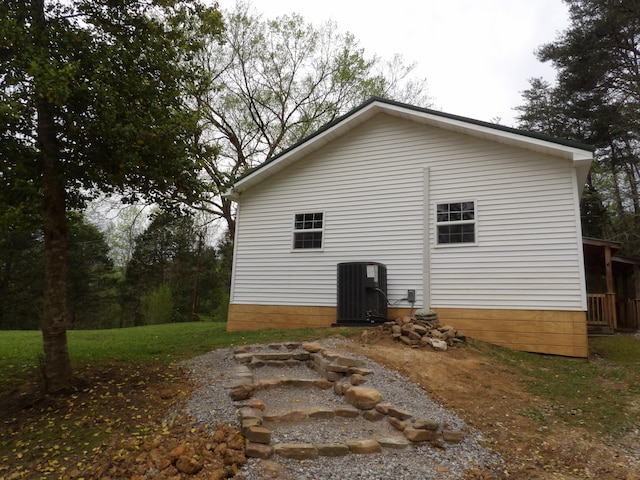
(636, 297)
(613, 321)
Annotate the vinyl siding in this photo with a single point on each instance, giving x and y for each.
(370, 186)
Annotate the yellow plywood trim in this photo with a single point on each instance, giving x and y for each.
(541, 331)
(256, 317)
(399, 312)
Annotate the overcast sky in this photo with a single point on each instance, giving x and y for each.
(477, 55)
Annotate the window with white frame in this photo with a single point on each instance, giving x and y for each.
(456, 222)
(307, 230)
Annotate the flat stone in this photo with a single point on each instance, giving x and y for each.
(424, 424)
(360, 371)
(247, 423)
(275, 346)
(291, 345)
(275, 363)
(293, 416)
(349, 362)
(383, 408)
(413, 335)
(271, 418)
(418, 435)
(363, 445)
(397, 424)
(452, 436)
(329, 355)
(323, 384)
(243, 357)
(269, 383)
(256, 403)
(248, 412)
(301, 357)
(242, 349)
(320, 412)
(312, 347)
(298, 451)
(372, 415)
(346, 412)
(239, 381)
(240, 370)
(332, 449)
(298, 382)
(406, 340)
(258, 435)
(357, 379)
(362, 397)
(242, 392)
(398, 413)
(421, 329)
(397, 443)
(406, 329)
(333, 376)
(334, 367)
(273, 356)
(257, 450)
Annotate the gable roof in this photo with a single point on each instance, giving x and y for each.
(580, 154)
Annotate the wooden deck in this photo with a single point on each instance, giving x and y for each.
(601, 310)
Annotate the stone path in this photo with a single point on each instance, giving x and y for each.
(330, 390)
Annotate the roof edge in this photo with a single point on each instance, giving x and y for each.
(230, 193)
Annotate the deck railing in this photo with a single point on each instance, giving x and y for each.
(601, 309)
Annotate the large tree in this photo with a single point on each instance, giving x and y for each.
(281, 80)
(92, 99)
(597, 100)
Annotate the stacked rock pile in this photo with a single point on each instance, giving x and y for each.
(417, 332)
(342, 373)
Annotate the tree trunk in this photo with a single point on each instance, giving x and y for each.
(227, 214)
(57, 367)
(196, 280)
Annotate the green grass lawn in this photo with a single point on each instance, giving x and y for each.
(595, 394)
(20, 350)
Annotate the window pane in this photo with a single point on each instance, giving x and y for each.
(307, 240)
(456, 234)
(306, 221)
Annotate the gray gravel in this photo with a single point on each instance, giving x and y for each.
(212, 405)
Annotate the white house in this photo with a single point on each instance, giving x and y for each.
(480, 220)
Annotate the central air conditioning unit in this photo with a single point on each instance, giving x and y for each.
(362, 293)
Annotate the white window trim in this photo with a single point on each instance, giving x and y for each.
(473, 222)
(308, 230)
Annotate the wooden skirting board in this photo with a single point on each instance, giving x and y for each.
(542, 331)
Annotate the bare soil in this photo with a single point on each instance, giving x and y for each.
(492, 399)
(111, 424)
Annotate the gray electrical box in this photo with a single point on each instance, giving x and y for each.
(362, 293)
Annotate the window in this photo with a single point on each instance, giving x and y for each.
(307, 230)
(456, 222)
